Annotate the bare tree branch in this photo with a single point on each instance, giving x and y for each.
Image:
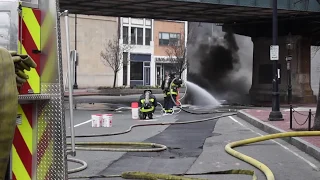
(177, 52)
(112, 55)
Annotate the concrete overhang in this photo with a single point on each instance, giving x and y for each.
(216, 11)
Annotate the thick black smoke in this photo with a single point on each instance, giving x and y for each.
(218, 62)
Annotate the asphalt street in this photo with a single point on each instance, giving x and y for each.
(192, 148)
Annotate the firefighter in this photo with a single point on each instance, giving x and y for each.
(165, 87)
(170, 93)
(147, 105)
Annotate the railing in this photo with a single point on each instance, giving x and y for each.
(308, 118)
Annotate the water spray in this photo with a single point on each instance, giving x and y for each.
(179, 105)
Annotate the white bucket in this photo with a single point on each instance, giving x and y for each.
(135, 110)
(96, 120)
(107, 120)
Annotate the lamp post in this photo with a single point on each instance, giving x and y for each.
(289, 59)
(75, 85)
(275, 114)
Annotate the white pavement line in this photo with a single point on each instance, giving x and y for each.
(83, 123)
(283, 146)
(150, 120)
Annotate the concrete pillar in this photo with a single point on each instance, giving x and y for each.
(261, 89)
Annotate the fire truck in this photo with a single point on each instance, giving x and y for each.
(32, 27)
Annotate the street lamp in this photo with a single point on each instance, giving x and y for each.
(289, 59)
(275, 114)
(75, 85)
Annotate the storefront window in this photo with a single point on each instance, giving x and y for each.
(136, 70)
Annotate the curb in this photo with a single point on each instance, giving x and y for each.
(301, 144)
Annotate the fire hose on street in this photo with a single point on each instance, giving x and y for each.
(153, 147)
(85, 146)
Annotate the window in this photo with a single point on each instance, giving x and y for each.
(146, 63)
(133, 35)
(125, 58)
(136, 70)
(125, 34)
(166, 39)
(140, 36)
(148, 37)
(125, 66)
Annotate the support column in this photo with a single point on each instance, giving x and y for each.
(301, 70)
(261, 89)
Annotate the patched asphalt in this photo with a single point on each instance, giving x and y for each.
(184, 142)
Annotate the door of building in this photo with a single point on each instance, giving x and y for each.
(159, 75)
(146, 73)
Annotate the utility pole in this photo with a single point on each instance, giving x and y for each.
(75, 86)
(275, 114)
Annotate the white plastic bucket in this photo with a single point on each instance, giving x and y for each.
(96, 120)
(107, 120)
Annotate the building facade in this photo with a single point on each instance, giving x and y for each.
(144, 57)
(138, 60)
(88, 35)
(144, 64)
(167, 33)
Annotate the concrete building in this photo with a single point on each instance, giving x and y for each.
(144, 43)
(138, 62)
(92, 34)
(144, 62)
(165, 33)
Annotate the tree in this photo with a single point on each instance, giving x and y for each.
(177, 55)
(112, 56)
(177, 51)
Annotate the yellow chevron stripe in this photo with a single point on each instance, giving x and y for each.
(32, 24)
(34, 78)
(41, 128)
(18, 169)
(25, 129)
(44, 164)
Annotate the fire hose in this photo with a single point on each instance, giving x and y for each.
(158, 147)
(85, 146)
(178, 103)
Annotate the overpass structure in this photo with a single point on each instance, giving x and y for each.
(253, 18)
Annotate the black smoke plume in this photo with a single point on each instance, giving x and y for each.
(218, 64)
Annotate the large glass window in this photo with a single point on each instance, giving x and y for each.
(136, 70)
(148, 37)
(166, 39)
(140, 36)
(125, 34)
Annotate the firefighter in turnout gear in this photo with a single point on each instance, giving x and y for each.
(170, 88)
(147, 105)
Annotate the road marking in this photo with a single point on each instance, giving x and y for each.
(283, 146)
(83, 123)
(150, 120)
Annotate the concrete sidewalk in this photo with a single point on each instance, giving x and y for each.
(259, 119)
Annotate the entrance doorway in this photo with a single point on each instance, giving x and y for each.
(146, 73)
(159, 74)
